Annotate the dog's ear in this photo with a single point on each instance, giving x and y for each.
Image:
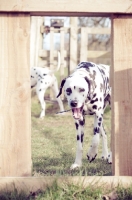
(88, 81)
(61, 86)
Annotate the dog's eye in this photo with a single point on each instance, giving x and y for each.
(68, 91)
(81, 89)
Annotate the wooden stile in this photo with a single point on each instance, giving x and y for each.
(122, 95)
(15, 115)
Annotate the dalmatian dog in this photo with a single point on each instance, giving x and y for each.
(88, 92)
(43, 78)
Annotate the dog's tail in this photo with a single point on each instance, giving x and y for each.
(58, 67)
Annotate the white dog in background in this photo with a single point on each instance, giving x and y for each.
(43, 78)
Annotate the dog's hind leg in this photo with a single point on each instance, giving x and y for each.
(40, 94)
(80, 134)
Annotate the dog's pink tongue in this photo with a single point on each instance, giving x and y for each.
(77, 113)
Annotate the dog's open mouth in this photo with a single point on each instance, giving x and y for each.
(77, 112)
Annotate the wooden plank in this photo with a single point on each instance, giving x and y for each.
(73, 43)
(98, 30)
(51, 55)
(62, 36)
(39, 183)
(33, 42)
(83, 45)
(15, 120)
(39, 41)
(60, 7)
(36, 41)
(122, 95)
(93, 30)
(90, 54)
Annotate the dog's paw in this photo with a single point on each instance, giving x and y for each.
(104, 155)
(92, 153)
(109, 159)
(74, 166)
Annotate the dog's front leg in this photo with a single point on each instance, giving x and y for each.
(80, 134)
(93, 150)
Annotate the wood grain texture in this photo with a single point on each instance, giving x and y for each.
(73, 44)
(15, 124)
(86, 6)
(83, 45)
(122, 95)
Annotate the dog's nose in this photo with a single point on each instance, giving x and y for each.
(73, 103)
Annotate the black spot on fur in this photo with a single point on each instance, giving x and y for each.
(82, 122)
(94, 107)
(96, 130)
(77, 137)
(44, 74)
(82, 135)
(74, 87)
(86, 65)
(100, 119)
(81, 89)
(99, 108)
(94, 95)
(94, 100)
(40, 90)
(68, 91)
(99, 124)
(76, 126)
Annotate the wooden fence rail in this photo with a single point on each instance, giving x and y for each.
(75, 55)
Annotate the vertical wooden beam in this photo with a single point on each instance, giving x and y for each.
(15, 120)
(84, 44)
(73, 43)
(33, 42)
(51, 55)
(39, 41)
(122, 95)
(62, 35)
(36, 41)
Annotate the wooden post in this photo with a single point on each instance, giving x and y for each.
(73, 43)
(36, 41)
(51, 55)
(15, 119)
(62, 35)
(83, 45)
(122, 95)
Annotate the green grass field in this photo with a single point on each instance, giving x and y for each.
(54, 143)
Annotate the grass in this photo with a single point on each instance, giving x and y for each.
(54, 144)
(70, 192)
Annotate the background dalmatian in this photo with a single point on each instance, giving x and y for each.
(88, 93)
(43, 78)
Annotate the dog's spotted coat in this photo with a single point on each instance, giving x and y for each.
(88, 93)
(43, 78)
